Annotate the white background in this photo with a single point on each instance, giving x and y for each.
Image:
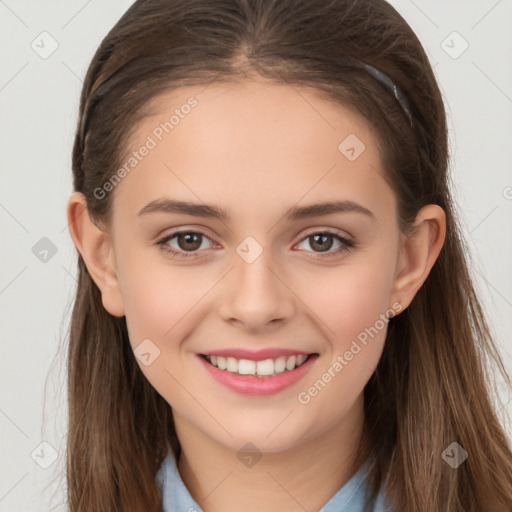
(38, 112)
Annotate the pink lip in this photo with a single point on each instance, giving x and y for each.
(257, 355)
(259, 386)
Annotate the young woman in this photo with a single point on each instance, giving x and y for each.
(274, 310)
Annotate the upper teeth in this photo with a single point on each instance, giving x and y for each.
(249, 367)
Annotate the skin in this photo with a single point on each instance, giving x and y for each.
(256, 149)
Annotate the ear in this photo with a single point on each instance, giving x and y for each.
(95, 246)
(418, 253)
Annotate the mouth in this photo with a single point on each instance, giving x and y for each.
(258, 376)
(263, 368)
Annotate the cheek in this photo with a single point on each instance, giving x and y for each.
(351, 303)
(349, 298)
(156, 295)
(351, 312)
(365, 297)
(161, 299)
(161, 302)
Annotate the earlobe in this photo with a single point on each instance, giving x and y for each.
(95, 246)
(419, 252)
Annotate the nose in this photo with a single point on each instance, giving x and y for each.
(255, 295)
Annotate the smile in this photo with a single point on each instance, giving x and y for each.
(258, 376)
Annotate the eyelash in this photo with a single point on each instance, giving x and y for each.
(346, 245)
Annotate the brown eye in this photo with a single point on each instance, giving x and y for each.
(321, 242)
(183, 244)
(189, 241)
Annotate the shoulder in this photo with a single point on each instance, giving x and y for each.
(175, 495)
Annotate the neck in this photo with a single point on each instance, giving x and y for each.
(304, 477)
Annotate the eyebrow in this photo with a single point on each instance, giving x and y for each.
(293, 214)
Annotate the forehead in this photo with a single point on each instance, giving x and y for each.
(251, 140)
(252, 112)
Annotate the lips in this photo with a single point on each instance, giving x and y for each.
(262, 372)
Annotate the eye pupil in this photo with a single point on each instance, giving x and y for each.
(189, 238)
(321, 244)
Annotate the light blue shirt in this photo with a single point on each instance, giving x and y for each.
(350, 498)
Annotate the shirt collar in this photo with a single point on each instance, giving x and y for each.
(350, 497)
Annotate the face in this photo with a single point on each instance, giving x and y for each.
(273, 278)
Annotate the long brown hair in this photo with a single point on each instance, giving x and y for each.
(432, 386)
